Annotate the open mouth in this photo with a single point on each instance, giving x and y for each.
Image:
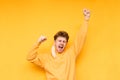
(60, 46)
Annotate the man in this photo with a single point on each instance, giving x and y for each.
(59, 63)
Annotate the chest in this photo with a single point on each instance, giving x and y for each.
(59, 63)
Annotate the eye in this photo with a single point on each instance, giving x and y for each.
(59, 40)
(64, 41)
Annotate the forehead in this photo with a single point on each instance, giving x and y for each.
(61, 38)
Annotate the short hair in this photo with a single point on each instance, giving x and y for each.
(61, 34)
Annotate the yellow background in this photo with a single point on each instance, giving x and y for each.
(23, 21)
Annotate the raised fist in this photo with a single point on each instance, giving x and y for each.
(42, 39)
(86, 13)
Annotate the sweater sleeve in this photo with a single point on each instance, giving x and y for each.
(34, 56)
(80, 38)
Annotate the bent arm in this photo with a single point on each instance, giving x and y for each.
(33, 55)
(33, 52)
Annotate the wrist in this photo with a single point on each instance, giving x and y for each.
(87, 18)
(37, 43)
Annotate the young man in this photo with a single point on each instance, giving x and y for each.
(59, 63)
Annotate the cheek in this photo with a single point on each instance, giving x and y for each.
(65, 44)
(56, 43)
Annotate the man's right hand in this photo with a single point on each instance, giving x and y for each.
(42, 39)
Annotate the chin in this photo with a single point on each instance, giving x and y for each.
(60, 51)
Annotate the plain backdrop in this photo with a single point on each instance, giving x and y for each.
(23, 21)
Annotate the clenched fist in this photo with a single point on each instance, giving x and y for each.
(42, 39)
(86, 13)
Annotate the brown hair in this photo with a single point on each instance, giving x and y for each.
(61, 34)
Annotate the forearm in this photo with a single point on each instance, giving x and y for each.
(81, 36)
(84, 28)
(33, 52)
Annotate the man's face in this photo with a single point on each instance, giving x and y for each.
(60, 44)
